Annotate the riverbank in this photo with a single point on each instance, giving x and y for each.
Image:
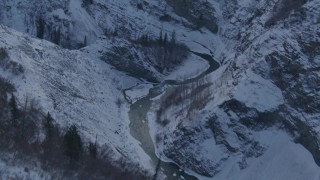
(139, 125)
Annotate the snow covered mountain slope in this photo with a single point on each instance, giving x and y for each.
(263, 83)
(73, 87)
(255, 117)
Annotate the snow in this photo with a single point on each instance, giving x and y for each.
(191, 67)
(85, 25)
(75, 89)
(282, 160)
(258, 93)
(139, 91)
(213, 151)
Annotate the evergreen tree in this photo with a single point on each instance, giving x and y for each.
(85, 41)
(72, 143)
(173, 38)
(56, 35)
(147, 40)
(40, 27)
(93, 149)
(14, 110)
(48, 126)
(160, 41)
(165, 40)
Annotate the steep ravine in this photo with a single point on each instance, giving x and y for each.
(139, 127)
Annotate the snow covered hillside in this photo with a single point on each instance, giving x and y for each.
(240, 101)
(71, 86)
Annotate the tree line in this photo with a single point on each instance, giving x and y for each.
(166, 52)
(21, 127)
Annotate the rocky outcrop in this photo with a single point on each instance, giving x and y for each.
(199, 13)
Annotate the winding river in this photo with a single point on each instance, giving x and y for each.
(139, 127)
